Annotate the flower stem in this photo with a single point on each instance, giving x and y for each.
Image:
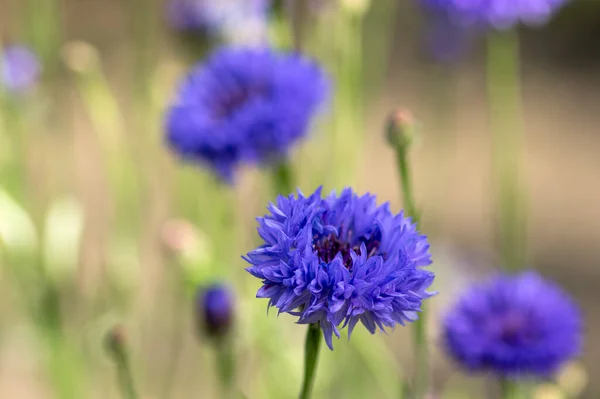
(504, 104)
(282, 177)
(510, 389)
(124, 375)
(421, 367)
(226, 368)
(311, 354)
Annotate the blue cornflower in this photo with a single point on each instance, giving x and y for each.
(20, 69)
(215, 310)
(237, 21)
(341, 259)
(244, 106)
(499, 14)
(514, 326)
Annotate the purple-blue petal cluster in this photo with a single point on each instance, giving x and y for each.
(244, 106)
(239, 21)
(341, 260)
(499, 14)
(514, 326)
(215, 308)
(20, 69)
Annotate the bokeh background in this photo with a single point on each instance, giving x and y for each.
(125, 232)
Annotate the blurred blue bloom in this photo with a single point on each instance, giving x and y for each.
(244, 106)
(215, 309)
(445, 41)
(499, 14)
(341, 259)
(20, 69)
(513, 326)
(236, 21)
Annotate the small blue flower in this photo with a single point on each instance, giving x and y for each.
(341, 259)
(514, 326)
(244, 106)
(215, 310)
(499, 14)
(20, 69)
(237, 21)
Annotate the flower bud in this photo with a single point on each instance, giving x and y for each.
(215, 310)
(401, 129)
(115, 341)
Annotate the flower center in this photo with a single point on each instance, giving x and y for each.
(328, 247)
(515, 330)
(232, 101)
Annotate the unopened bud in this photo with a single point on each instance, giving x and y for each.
(401, 129)
(215, 311)
(115, 341)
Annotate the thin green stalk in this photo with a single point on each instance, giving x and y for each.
(406, 184)
(400, 135)
(510, 389)
(311, 355)
(282, 177)
(120, 356)
(225, 363)
(504, 103)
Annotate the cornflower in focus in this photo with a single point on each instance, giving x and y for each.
(20, 69)
(498, 14)
(515, 326)
(244, 106)
(341, 259)
(235, 21)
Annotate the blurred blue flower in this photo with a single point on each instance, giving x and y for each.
(499, 14)
(341, 259)
(235, 21)
(20, 69)
(215, 308)
(445, 41)
(514, 326)
(244, 106)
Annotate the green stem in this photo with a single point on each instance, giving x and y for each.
(225, 363)
(510, 389)
(406, 184)
(282, 177)
(504, 103)
(421, 367)
(311, 354)
(124, 375)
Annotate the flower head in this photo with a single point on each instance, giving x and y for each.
(514, 325)
(341, 259)
(19, 68)
(499, 14)
(244, 106)
(215, 310)
(237, 21)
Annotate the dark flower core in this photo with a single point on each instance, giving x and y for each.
(328, 247)
(515, 332)
(230, 103)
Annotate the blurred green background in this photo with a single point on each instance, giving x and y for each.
(122, 232)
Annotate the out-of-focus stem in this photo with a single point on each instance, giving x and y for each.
(505, 113)
(282, 177)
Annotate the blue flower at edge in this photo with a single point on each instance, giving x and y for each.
(244, 106)
(498, 14)
(19, 69)
(514, 326)
(339, 260)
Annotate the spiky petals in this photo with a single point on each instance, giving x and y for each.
(341, 260)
